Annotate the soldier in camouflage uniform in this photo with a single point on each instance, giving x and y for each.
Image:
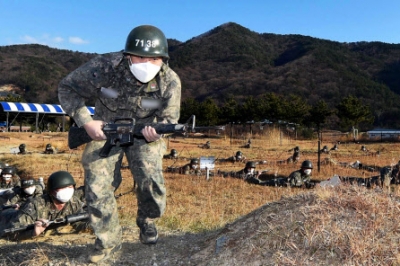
(149, 91)
(58, 203)
(295, 157)
(9, 178)
(301, 177)
(50, 149)
(247, 172)
(173, 155)
(29, 189)
(191, 168)
(22, 149)
(238, 157)
(207, 145)
(390, 175)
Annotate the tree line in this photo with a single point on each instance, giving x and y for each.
(273, 108)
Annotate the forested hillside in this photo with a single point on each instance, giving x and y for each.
(232, 63)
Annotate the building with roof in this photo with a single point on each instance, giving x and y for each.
(13, 109)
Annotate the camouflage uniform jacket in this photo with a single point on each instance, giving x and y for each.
(20, 196)
(15, 182)
(42, 208)
(158, 101)
(298, 179)
(188, 170)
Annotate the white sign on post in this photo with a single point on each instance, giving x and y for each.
(207, 163)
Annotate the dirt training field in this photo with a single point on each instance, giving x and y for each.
(225, 221)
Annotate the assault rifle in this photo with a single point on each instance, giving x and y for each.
(6, 190)
(119, 134)
(5, 207)
(59, 221)
(122, 134)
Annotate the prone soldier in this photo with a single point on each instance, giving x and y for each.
(296, 155)
(301, 177)
(207, 145)
(29, 189)
(238, 157)
(22, 149)
(191, 168)
(172, 155)
(9, 178)
(38, 212)
(49, 149)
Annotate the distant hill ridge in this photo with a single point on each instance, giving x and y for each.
(233, 61)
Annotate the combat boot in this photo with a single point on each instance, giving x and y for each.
(148, 232)
(103, 254)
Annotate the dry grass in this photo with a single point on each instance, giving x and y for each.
(346, 225)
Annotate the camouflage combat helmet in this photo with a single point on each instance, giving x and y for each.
(48, 146)
(239, 154)
(27, 183)
(22, 147)
(60, 179)
(146, 41)
(250, 165)
(194, 161)
(174, 152)
(8, 171)
(307, 164)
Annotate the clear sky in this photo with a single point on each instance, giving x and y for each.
(101, 26)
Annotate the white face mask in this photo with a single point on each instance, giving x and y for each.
(307, 171)
(64, 194)
(7, 177)
(144, 72)
(30, 190)
(251, 171)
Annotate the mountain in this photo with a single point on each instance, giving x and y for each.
(233, 61)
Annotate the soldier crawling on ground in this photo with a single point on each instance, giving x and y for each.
(9, 177)
(29, 189)
(248, 144)
(237, 158)
(335, 147)
(49, 149)
(355, 165)
(192, 168)
(207, 145)
(58, 203)
(295, 157)
(325, 150)
(390, 175)
(22, 149)
(173, 155)
(9, 182)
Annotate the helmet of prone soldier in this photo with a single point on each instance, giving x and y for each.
(307, 164)
(239, 154)
(9, 170)
(22, 147)
(174, 152)
(25, 183)
(48, 146)
(147, 41)
(60, 179)
(194, 161)
(251, 165)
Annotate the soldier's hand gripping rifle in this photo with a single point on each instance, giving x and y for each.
(119, 134)
(57, 222)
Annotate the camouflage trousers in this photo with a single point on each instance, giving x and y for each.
(102, 178)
